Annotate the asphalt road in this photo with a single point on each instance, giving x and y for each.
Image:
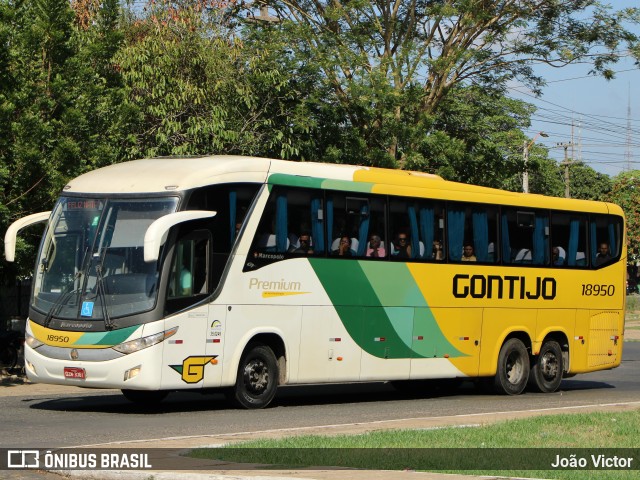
(91, 417)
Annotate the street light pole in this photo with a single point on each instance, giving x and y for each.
(525, 157)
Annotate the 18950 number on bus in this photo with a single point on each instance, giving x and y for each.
(593, 290)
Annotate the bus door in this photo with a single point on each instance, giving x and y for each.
(186, 359)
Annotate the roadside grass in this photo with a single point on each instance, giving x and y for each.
(633, 302)
(485, 445)
(632, 318)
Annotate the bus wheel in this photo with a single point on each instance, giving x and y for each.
(145, 397)
(257, 379)
(546, 372)
(513, 368)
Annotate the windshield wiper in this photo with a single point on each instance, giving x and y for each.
(62, 299)
(100, 290)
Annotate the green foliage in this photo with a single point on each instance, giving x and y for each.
(626, 193)
(545, 175)
(587, 184)
(475, 136)
(193, 89)
(58, 108)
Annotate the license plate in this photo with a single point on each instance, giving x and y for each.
(75, 372)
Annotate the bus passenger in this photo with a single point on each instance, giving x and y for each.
(304, 245)
(376, 250)
(344, 247)
(185, 282)
(558, 256)
(467, 253)
(603, 253)
(402, 248)
(436, 251)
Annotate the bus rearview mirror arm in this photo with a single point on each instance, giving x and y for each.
(156, 234)
(12, 232)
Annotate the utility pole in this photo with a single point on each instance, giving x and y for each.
(566, 164)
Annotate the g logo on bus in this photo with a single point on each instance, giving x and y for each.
(192, 368)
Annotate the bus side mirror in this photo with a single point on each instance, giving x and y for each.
(12, 232)
(156, 234)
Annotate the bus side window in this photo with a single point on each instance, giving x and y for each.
(605, 239)
(526, 237)
(272, 234)
(357, 217)
(569, 235)
(421, 224)
(472, 230)
(305, 219)
(189, 275)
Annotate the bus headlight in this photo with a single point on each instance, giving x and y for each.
(142, 343)
(32, 341)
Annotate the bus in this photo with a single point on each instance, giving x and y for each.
(243, 274)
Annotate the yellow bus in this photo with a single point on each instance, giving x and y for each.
(244, 274)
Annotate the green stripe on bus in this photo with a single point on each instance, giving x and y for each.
(382, 308)
(107, 338)
(319, 183)
(295, 181)
(361, 187)
(394, 286)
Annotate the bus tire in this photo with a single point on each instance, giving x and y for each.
(513, 368)
(547, 369)
(145, 397)
(257, 379)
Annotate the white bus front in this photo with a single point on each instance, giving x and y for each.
(99, 302)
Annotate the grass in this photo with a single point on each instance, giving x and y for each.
(633, 302)
(473, 450)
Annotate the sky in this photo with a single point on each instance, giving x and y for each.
(594, 109)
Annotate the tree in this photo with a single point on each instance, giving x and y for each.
(390, 64)
(544, 175)
(626, 193)
(59, 95)
(475, 136)
(193, 88)
(587, 184)
(40, 33)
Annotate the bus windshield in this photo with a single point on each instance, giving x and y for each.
(91, 264)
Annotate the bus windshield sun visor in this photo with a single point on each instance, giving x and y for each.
(156, 234)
